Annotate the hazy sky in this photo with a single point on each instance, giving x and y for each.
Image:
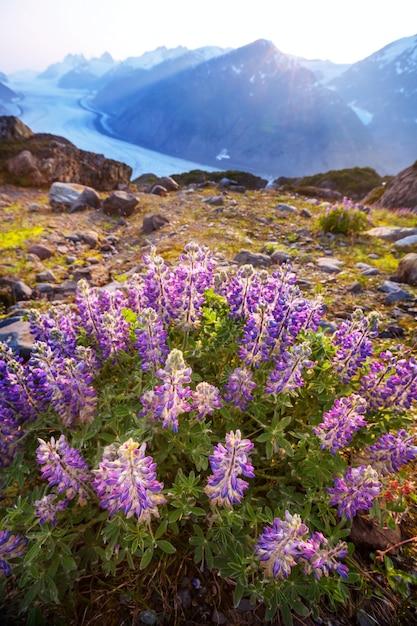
(36, 33)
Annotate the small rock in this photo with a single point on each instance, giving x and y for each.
(280, 257)
(33, 207)
(41, 251)
(355, 287)
(245, 257)
(148, 617)
(218, 617)
(153, 222)
(184, 597)
(90, 237)
(367, 270)
(330, 265)
(406, 242)
(306, 213)
(397, 296)
(21, 291)
(245, 605)
(214, 200)
(168, 183)
(46, 277)
(407, 269)
(286, 208)
(15, 333)
(158, 190)
(393, 331)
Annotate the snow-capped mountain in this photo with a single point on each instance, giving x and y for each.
(76, 72)
(117, 88)
(255, 106)
(325, 71)
(382, 90)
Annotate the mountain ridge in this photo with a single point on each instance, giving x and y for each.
(288, 116)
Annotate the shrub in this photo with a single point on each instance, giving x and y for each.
(200, 416)
(345, 218)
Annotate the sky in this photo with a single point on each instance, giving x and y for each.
(36, 33)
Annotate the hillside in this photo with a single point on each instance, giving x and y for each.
(252, 220)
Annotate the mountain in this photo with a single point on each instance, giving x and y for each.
(382, 90)
(325, 71)
(7, 96)
(76, 72)
(117, 88)
(255, 107)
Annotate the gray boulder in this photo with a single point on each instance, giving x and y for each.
(15, 333)
(407, 269)
(62, 196)
(391, 233)
(88, 199)
(257, 259)
(120, 204)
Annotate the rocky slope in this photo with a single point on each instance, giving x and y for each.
(38, 159)
(45, 253)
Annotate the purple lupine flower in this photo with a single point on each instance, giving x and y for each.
(353, 343)
(239, 388)
(356, 491)
(323, 559)
(151, 340)
(63, 467)
(126, 481)
(192, 276)
(224, 487)
(391, 383)
(16, 396)
(170, 399)
(136, 300)
(254, 346)
(156, 285)
(242, 291)
(401, 386)
(392, 451)
(101, 318)
(289, 366)
(11, 547)
(10, 433)
(58, 328)
(65, 382)
(372, 386)
(338, 425)
(206, 399)
(286, 544)
(280, 547)
(48, 507)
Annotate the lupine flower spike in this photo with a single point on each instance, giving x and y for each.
(11, 547)
(286, 544)
(356, 491)
(224, 488)
(126, 481)
(338, 425)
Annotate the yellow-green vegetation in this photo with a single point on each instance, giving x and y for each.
(388, 217)
(14, 238)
